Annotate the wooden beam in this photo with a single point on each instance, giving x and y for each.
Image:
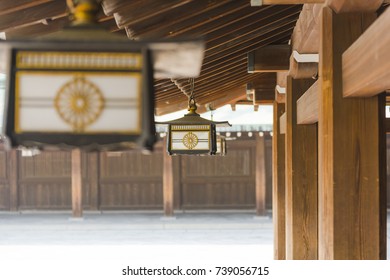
(352, 191)
(366, 63)
(260, 176)
(281, 79)
(281, 84)
(271, 58)
(278, 185)
(264, 96)
(283, 2)
(13, 172)
(282, 126)
(302, 70)
(305, 37)
(167, 182)
(280, 98)
(353, 6)
(307, 105)
(301, 179)
(77, 184)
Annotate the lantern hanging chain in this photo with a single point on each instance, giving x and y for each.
(191, 99)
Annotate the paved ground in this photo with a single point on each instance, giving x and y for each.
(188, 230)
(132, 228)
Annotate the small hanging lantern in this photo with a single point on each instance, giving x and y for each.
(81, 87)
(192, 134)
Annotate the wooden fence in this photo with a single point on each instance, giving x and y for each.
(132, 180)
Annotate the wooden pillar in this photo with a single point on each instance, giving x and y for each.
(260, 176)
(352, 220)
(301, 179)
(13, 179)
(93, 178)
(167, 182)
(278, 185)
(77, 207)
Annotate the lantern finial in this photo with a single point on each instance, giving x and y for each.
(192, 106)
(83, 11)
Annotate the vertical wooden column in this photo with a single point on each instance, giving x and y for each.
(278, 185)
(301, 179)
(13, 179)
(93, 160)
(167, 182)
(260, 176)
(351, 185)
(77, 207)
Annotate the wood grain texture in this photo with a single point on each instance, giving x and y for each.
(260, 176)
(282, 126)
(366, 64)
(278, 185)
(301, 179)
(352, 6)
(307, 105)
(77, 184)
(350, 225)
(305, 37)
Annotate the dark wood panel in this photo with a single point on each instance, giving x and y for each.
(3, 165)
(44, 196)
(131, 196)
(233, 194)
(130, 164)
(4, 196)
(45, 165)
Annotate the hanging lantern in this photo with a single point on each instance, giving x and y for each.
(192, 134)
(80, 87)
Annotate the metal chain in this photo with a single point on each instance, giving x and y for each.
(191, 98)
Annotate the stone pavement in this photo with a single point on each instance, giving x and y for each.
(141, 229)
(134, 228)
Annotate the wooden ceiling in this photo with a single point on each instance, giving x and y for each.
(230, 28)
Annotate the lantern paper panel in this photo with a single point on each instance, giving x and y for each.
(78, 102)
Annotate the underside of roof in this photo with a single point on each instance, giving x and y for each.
(230, 29)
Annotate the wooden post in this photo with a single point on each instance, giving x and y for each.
(77, 207)
(278, 182)
(167, 182)
(260, 176)
(13, 179)
(352, 212)
(301, 179)
(93, 178)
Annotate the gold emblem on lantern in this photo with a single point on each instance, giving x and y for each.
(190, 140)
(79, 103)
